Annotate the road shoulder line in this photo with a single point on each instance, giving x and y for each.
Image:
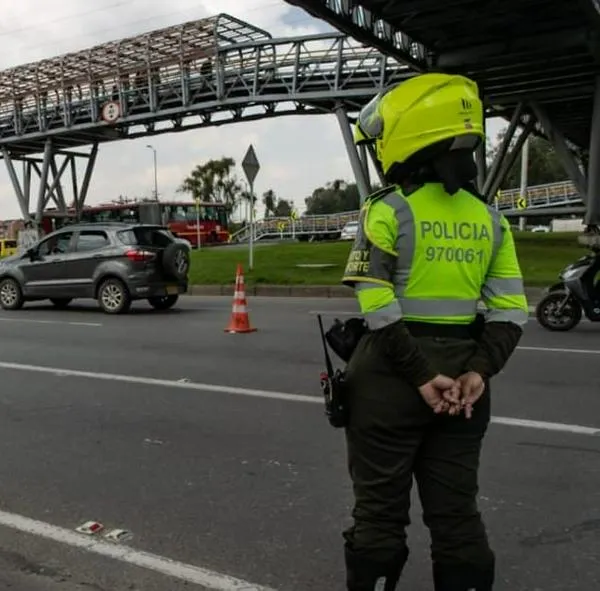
(268, 394)
(172, 568)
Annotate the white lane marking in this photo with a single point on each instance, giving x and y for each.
(559, 350)
(158, 382)
(177, 570)
(37, 321)
(529, 424)
(198, 387)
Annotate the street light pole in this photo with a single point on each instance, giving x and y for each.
(155, 172)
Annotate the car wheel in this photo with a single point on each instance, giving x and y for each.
(11, 295)
(113, 297)
(176, 260)
(61, 303)
(163, 302)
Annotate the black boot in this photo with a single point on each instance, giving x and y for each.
(463, 577)
(366, 574)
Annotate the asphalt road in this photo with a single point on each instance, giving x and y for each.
(251, 486)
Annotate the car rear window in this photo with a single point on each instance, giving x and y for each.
(156, 237)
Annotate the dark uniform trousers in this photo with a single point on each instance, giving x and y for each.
(392, 436)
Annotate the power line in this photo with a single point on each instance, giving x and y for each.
(129, 25)
(64, 18)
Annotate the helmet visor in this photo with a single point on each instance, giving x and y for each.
(370, 123)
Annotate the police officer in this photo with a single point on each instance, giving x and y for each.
(428, 250)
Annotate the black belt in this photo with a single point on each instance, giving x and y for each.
(451, 331)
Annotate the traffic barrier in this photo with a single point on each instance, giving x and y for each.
(239, 321)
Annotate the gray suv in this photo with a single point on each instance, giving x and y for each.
(114, 263)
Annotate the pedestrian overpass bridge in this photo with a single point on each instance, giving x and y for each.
(202, 73)
(208, 72)
(551, 197)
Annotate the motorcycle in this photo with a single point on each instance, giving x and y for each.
(565, 302)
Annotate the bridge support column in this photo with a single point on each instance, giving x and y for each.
(481, 166)
(524, 179)
(508, 161)
(566, 157)
(592, 216)
(371, 150)
(364, 158)
(492, 180)
(481, 160)
(357, 166)
(50, 176)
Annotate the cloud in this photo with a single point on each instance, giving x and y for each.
(296, 153)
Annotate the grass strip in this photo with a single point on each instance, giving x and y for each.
(542, 256)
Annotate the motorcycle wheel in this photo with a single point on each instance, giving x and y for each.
(548, 314)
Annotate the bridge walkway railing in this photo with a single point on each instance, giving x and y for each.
(549, 195)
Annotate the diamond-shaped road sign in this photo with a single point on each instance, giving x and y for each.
(250, 165)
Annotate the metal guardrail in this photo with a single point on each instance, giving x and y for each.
(549, 195)
(285, 227)
(315, 226)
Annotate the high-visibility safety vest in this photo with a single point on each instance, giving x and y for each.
(432, 257)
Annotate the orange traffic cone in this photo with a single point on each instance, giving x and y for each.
(239, 321)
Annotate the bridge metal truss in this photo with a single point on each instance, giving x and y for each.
(529, 118)
(364, 24)
(536, 61)
(49, 177)
(56, 107)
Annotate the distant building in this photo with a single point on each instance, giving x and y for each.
(10, 228)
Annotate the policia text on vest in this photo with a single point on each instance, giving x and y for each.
(358, 262)
(464, 231)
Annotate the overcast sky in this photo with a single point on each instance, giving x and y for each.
(296, 154)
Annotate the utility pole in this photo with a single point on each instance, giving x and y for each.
(155, 172)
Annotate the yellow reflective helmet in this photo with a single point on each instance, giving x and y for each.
(421, 112)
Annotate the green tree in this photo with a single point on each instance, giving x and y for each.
(543, 165)
(283, 208)
(270, 202)
(247, 197)
(213, 181)
(336, 196)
